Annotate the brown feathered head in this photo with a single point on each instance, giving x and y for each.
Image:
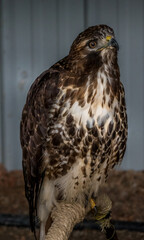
(94, 46)
(95, 38)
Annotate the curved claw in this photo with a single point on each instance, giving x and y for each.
(93, 206)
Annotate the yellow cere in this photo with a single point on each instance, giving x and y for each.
(108, 38)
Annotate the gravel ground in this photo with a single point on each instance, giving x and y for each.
(25, 234)
(125, 188)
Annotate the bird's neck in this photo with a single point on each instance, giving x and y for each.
(93, 62)
(83, 69)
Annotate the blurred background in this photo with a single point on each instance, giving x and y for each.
(34, 34)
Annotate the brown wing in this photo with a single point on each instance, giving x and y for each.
(33, 130)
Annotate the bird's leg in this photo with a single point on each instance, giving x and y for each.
(102, 206)
(102, 214)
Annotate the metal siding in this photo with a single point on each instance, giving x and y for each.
(16, 74)
(8, 83)
(123, 37)
(70, 23)
(44, 35)
(135, 85)
(132, 74)
(1, 91)
(102, 12)
(38, 33)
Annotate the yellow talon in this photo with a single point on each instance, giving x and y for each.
(98, 215)
(92, 202)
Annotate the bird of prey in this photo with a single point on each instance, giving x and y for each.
(74, 125)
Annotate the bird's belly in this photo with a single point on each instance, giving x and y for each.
(77, 184)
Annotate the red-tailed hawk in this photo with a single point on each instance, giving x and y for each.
(74, 125)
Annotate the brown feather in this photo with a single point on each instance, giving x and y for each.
(75, 114)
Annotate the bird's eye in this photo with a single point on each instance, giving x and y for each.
(92, 44)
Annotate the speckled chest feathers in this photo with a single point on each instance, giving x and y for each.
(74, 124)
(90, 134)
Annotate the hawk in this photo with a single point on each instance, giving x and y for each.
(74, 125)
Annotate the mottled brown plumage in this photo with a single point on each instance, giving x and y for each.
(74, 124)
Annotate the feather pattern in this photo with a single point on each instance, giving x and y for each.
(74, 125)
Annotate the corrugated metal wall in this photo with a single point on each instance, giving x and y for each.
(36, 33)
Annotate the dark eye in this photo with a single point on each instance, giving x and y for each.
(92, 44)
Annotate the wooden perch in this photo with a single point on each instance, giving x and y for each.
(67, 215)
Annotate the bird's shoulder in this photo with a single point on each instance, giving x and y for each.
(41, 97)
(48, 84)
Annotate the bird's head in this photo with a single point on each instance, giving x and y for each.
(94, 45)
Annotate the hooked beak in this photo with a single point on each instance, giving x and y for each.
(113, 43)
